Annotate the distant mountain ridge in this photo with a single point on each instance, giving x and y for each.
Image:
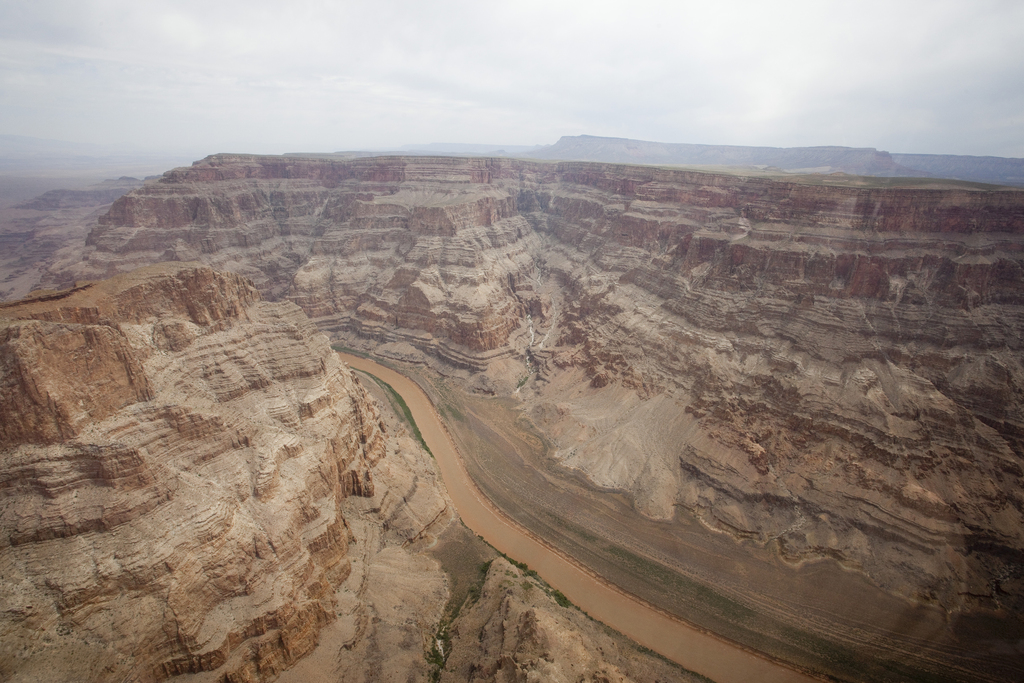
(1004, 170)
(857, 161)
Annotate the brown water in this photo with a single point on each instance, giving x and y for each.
(717, 659)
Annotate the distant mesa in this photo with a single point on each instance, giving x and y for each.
(855, 161)
(463, 149)
(67, 199)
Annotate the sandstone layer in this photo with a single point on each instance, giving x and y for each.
(832, 370)
(177, 454)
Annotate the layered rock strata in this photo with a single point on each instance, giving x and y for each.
(432, 254)
(517, 631)
(49, 232)
(177, 453)
(832, 370)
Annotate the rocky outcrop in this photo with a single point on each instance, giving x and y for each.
(827, 369)
(436, 264)
(517, 630)
(176, 455)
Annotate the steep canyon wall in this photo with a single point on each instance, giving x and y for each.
(177, 454)
(835, 371)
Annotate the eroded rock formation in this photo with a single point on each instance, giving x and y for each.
(176, 454)
(516, 631)
(836, 372)
(832, 370)
(435, 254)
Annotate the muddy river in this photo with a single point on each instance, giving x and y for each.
(719, 660)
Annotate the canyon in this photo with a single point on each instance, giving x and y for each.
(179, 458)
(35, 234)
(195, 486)
(825, 371)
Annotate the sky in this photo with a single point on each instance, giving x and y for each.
(196, 78)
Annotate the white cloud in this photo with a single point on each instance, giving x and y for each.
(268, 76)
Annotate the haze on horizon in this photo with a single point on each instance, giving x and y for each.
(192, 78)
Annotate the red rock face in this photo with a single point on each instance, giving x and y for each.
(278, 217)
(175, 453)
(90, 374)
(846, 350)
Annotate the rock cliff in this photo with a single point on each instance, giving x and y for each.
(833, 370)
(517, 630)
(177, 454)
(430, 253)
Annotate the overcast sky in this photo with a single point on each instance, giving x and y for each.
(270, 77)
